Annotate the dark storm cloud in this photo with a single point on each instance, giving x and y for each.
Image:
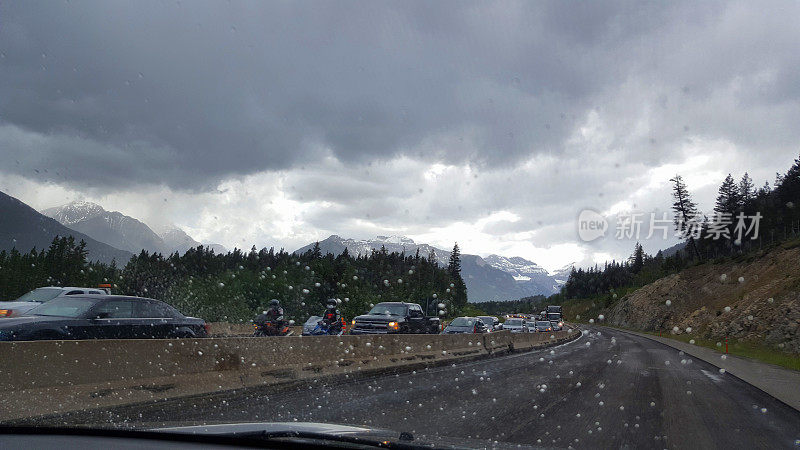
(186, 94)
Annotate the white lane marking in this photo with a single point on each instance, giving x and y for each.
(712, 375)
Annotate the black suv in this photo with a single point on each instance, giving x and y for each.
(395, 317)
(101, 317)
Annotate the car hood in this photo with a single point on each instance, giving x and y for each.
(367, 433)
(379, 317)
(12, 322)
(239, 428)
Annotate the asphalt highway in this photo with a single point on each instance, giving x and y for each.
(608, 389)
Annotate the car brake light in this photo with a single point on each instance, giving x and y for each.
(207, 326)
(5, 312)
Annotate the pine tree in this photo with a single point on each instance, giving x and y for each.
(316, 252)
(685, 210)
(454, 266)
(728, 199)
(747, 190)
(637, 258)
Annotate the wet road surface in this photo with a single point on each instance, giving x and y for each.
(606, 389)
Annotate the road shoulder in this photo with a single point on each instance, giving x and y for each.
(783, 384)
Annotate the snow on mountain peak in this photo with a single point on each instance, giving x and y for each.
(394, 239)
(74, 212)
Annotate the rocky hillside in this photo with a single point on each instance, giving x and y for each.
(753, 298)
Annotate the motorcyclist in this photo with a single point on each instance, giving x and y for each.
(331, 317)
(275, 313)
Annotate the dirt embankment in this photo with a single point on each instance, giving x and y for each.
(754, 298)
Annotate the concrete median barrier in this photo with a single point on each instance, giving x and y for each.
(48, 377)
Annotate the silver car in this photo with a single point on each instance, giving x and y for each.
(515, 325)
(40, 295)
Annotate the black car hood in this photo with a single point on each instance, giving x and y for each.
(362, 432)
(380, 317)
(13, 322)
(312, 427)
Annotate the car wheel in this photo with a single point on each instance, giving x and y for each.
(183, 334)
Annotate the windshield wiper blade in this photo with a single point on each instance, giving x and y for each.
(279, 435)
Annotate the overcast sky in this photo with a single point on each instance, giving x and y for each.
(493, 124)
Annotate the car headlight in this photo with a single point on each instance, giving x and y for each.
(353, 322)
(393, 325)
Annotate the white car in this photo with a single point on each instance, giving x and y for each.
(515, 325)
(531, 326)
(40, 295)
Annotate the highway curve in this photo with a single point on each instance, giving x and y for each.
(606, 389)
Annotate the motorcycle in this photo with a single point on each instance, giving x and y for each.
(323, 328)
(271, 329)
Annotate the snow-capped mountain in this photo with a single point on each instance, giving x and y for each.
(528, 274)
(23, 228)
(121, 231)
(484, 280)
(562, 275)
(111, 227)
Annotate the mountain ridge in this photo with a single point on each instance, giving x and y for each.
(484, 279)
(24, 228)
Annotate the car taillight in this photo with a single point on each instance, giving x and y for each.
(5, 312)
(207, 326)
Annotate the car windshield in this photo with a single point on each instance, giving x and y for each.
(388, 310)
(39, 295)
(463, 322)
(72, 307)
(617, 181)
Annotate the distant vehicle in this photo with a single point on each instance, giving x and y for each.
(395, 317)
(531, 324)
(554, 313)
(466, 325)
(543, 326)
(515, 325)
(491, 322)
(36, 297)
(310, 325)
(557, 325)
(101, 317)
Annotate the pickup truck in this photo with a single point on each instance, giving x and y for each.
(395, 317)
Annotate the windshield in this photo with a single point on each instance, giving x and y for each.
(39, 295)
(65, 307)
(393, 310)
(617, 181)
(463, 322)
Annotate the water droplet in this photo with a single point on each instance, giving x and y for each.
(669, 302)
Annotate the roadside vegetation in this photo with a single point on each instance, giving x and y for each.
(234, 287)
